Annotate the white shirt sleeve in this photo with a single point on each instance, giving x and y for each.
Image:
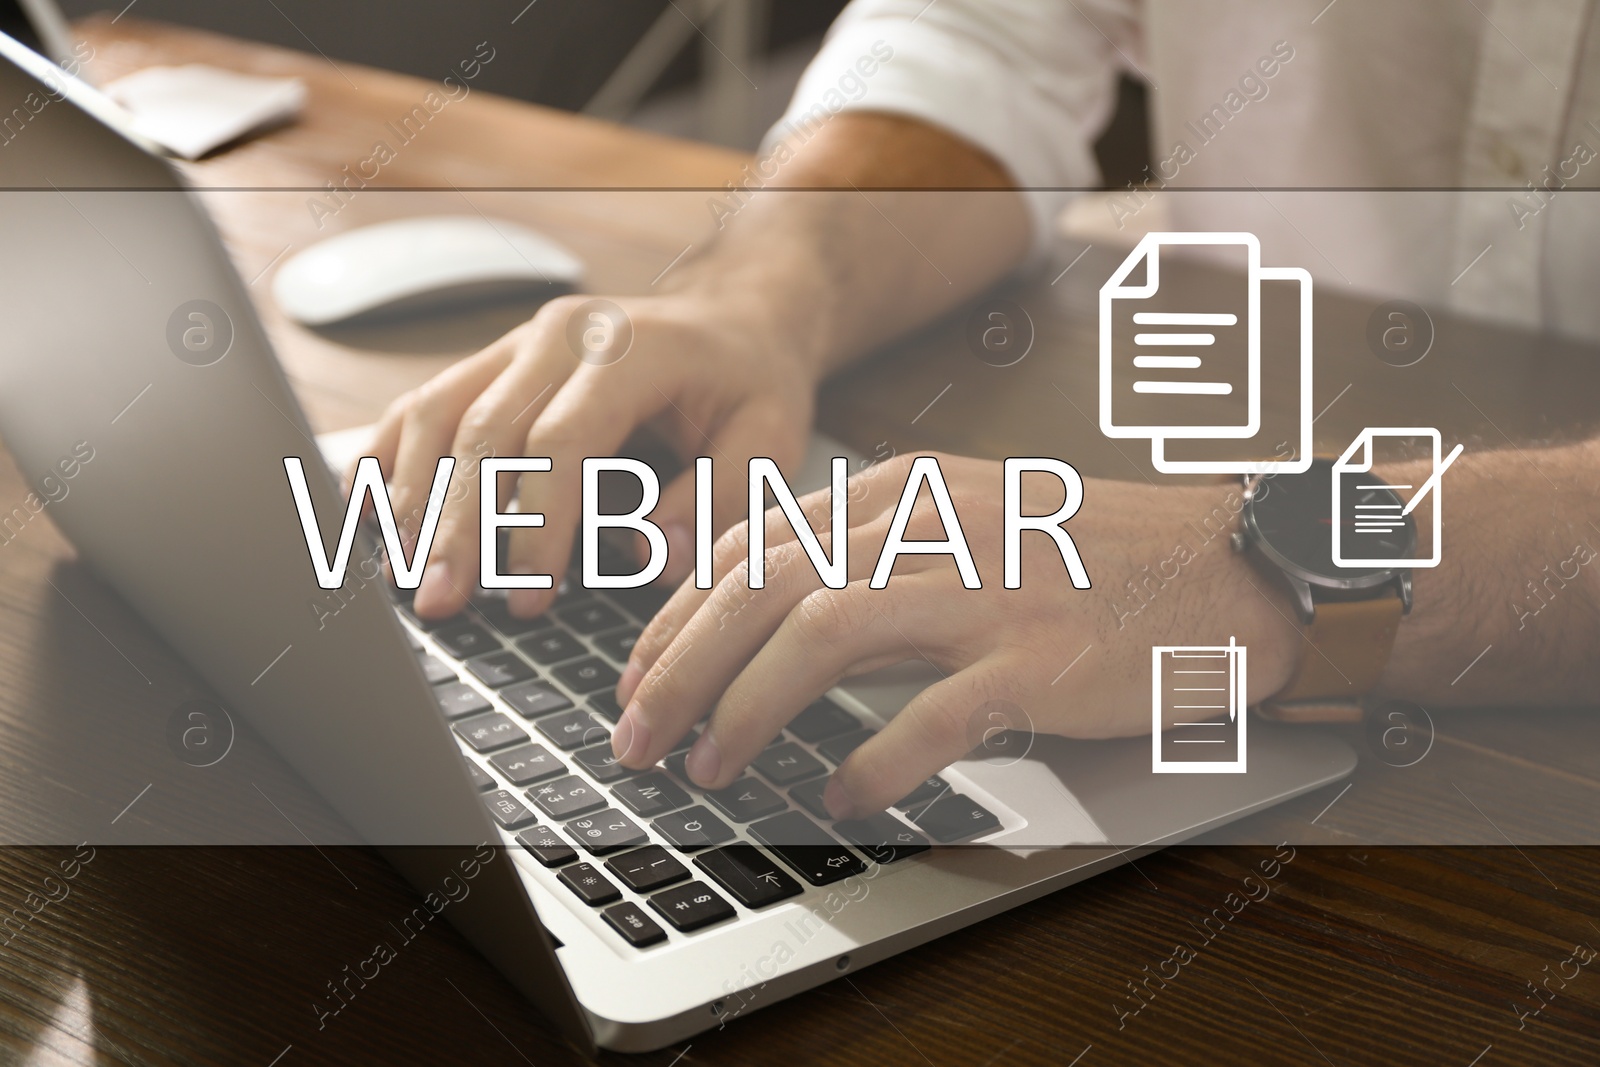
(1031, 82)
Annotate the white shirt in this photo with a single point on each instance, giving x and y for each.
(1392, 146)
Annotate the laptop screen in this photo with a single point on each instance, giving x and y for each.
(40, 25)
(14, 22)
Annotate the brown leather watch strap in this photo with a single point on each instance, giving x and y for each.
(1350, 645)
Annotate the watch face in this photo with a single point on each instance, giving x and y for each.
(1293, 517)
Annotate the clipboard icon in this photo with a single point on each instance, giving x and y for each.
(1191, 687)
(1358, 515)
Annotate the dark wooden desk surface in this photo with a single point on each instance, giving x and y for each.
(1363, 953)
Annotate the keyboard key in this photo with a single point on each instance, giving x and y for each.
(807, 847)
(693, 829)
(618, 644)
(835, 749)
(647, 869)
(533, 699)
(546, 847)
(480, 777)
(641, 603)
(929, 789)
(882, 837)
(587, 675)
(787, 763)
(673, 762)
(636, 928)
(403, 603)
(955, 816)
(436, 670)
(823, 720)
(463, 637)
(507, 810)
(495, 613)
(527, 764)
(551, 647)
(606, 831)
(692, 906)
(489, 732)
(566, 797)
(573, 729)
(457, 700)
(500, 668)
(650, 794)
(601, 764)
(749, 875)
(592, 887)
(604, 704)
(590, 617)
(809, 796)
(746, 799)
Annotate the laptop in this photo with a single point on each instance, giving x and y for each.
(633, 910)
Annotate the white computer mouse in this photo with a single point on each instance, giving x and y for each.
(420, 265)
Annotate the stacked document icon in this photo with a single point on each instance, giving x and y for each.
(1202, 344)
(1198, 700)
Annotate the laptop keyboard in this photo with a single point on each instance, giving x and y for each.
(532, 702)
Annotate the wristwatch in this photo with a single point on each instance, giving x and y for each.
(1350, 615)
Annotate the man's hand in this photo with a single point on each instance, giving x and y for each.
(725, 361)
(755, 658)
(706, 378)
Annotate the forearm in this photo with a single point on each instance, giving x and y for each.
(825, 266)
(1519, 575)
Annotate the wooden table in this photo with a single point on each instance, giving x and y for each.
(1367, 951)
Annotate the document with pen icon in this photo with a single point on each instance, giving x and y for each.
(1198, 709)
(1368, 519)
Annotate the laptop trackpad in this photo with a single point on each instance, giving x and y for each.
(1009, 771)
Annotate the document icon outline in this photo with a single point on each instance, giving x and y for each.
(1350, 462)
(1202, 662)
(1148, 251)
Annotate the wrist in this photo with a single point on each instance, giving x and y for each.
(1428, 625)
(766, 315)
(1263, 613)
(1275, 639)
(1221, 593)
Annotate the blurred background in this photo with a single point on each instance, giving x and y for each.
(711, 70)
(715, 70)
